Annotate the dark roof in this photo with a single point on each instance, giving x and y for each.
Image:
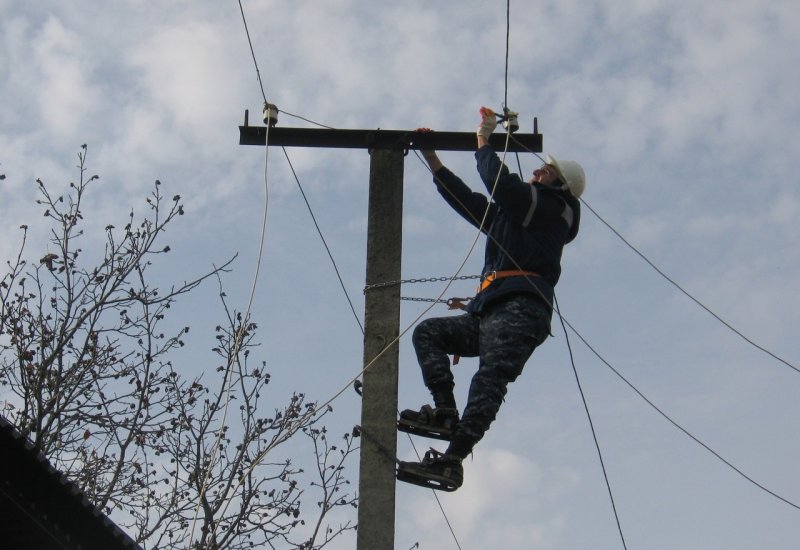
(40, 509)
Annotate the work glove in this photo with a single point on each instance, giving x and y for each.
(488, 122)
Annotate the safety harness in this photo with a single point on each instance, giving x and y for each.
(492, 276)
(486, 280)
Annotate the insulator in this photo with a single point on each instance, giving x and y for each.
(510, 120)
(270, 114)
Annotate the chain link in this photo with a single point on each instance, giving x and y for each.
(423, 280)
(431, 300)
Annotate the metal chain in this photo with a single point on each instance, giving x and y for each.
(431, 300)
(423, 280)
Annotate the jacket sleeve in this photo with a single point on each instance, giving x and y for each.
(472, 206)
(530, 205)
(517, 198)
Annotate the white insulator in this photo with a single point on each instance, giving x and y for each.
(270, 114)
(511, 121)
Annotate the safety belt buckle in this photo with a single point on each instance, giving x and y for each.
(487, 279)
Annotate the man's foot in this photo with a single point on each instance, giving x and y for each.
(437, 423)
(436, 471)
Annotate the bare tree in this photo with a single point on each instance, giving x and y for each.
(86, 374)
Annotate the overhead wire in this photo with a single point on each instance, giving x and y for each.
(676, 424)
(308, 120)
(508, 39)
(591, 425)
(687, 294)
(240, 332)
(572, 358)
(324, 242)
(252, 52)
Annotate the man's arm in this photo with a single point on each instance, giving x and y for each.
(430, 155)
(471, 205)
(433, 161)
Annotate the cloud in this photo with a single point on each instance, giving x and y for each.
(64, 92)
(188, 75)
(505, 490)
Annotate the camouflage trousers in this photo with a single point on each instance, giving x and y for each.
(503, 336)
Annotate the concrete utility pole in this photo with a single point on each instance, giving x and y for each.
(376, 487)
(376, 509)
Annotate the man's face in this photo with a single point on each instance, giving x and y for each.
(545, 174)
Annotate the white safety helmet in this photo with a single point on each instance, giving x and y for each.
(570, 173)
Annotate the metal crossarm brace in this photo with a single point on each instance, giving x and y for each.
(384, 139)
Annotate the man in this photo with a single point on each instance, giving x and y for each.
(527, 225)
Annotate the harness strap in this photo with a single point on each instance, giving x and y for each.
(494, 275)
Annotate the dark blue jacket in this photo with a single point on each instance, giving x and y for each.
(529, 223)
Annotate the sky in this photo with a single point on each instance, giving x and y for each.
(684, 116)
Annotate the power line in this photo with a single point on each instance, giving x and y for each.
(673, 422)
(686, 293)
(324, 242)
(252, 51)
(508, 37)
(591, 426)
(308, 120)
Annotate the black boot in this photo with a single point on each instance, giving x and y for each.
(439, 471)
(437, 423)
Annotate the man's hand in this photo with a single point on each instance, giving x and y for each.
(488, 123)
(429, 154)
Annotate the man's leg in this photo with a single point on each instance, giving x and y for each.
(509, 332)
(436, 338)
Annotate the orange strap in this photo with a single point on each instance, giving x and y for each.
(494, 275)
